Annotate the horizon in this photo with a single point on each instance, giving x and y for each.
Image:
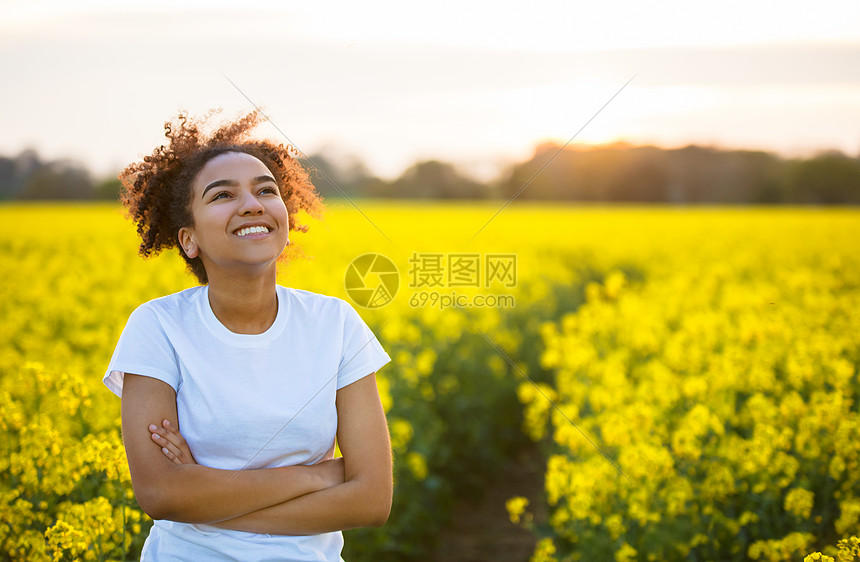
(393, 85)
(583, 147)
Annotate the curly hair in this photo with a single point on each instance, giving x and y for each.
(157, 191)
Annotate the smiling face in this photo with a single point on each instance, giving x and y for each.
(240, 220)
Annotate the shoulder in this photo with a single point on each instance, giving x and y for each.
(181, 299)
(314, 301)
(168, 306)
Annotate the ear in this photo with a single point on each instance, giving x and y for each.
(187, 242)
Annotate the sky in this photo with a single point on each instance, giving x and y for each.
(478, 84)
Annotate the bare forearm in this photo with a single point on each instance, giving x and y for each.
(346, 506)
(193, 493)
(199, 494)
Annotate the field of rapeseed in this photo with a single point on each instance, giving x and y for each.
(710, 354)
(719, 391)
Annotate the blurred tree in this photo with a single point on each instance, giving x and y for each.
(433, 179)
(692, 174)
(7, 178)
(637, 174)
(108, 189)
(339, 177)
(15, 171)
(59, 180)
(563, 178)
(765, 177)
(378, 188)
(616, 172)
(697, 174)
(828, 178)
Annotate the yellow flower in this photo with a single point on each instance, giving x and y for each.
(849, 549)
(63, 540)
(516, 506)
(799, 502)
(544, 551)
(849, 517)
(817, 556)
(401, 433)
(417, 464)
(615, 524)
(625, 554)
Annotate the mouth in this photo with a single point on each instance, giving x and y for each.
(251, 231)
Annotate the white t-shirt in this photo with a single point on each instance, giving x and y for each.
(248, 401)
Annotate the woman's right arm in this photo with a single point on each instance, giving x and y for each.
(192, 493)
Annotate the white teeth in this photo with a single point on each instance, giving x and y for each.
(252, 230)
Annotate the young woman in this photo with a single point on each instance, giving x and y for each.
(234, 391)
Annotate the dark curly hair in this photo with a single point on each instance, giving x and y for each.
(157, 191)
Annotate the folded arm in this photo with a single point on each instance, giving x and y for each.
(193, 493)
(363, 499)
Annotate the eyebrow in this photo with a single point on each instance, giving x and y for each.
(233, 183)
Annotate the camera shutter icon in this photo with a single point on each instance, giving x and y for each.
(371, 280)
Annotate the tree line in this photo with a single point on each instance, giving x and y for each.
(612, 173)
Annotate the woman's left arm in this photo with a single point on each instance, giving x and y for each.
(364, 499)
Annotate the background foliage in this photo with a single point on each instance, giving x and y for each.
(615, 172)
(711, 353)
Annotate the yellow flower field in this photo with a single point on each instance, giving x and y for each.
(691, 374)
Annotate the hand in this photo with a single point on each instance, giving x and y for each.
(172, 444)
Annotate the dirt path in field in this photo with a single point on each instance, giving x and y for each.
(482, 531)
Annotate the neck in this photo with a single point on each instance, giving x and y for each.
(245, 304)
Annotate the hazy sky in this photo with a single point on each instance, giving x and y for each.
(475, 83)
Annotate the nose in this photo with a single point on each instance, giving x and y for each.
(250, 205)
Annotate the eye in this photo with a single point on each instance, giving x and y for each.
(220, 194)
(272, 190)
